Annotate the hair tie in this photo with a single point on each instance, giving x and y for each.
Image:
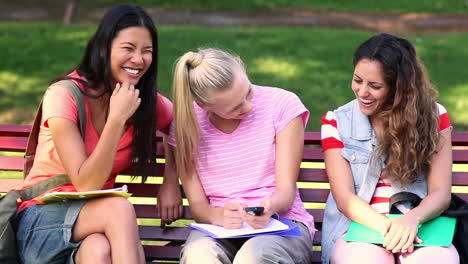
(194, 59)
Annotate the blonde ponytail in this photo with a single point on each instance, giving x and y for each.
(196, 75)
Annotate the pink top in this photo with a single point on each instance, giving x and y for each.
(383, 191)
(240, 166)
(58, 102)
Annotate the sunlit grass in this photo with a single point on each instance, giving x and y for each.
(314, 63)
(439, 6)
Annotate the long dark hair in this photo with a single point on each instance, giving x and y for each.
(410, 118)
(95, 68)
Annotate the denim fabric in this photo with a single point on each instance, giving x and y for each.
(359, 141)
(44, 233)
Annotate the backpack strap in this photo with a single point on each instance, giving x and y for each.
(34, 135)
(78, 98)
(39, 188)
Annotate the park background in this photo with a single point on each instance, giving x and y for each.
(304, 46)
(298, 45)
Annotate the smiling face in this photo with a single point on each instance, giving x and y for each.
(235, 102)
(131, 55)
(369, 87)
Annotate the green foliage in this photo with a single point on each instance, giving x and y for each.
(313, 63)
(432, 6)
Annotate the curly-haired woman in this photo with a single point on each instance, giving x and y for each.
(393, 137)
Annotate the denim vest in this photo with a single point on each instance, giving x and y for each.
(359, 141)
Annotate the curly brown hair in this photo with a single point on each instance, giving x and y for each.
(409, 117)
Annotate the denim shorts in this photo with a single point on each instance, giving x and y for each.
(44, 233)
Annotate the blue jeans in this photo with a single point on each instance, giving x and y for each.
(44, 233)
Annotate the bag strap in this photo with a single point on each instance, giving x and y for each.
(39, 188)
(409, 197)
(78, 98)
(34, 135)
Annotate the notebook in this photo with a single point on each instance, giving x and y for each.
(277, 226)
(436, 232)
(63, 196)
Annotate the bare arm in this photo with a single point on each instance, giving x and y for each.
(289, 150)
(169, 195)
(342, 188)
(91, 172)
(439, 181)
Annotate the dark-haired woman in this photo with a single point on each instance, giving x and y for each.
(393, 137)
(117, 77)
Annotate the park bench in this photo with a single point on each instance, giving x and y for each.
(162, 245)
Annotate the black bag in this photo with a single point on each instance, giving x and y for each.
(458, 208)
(8, 202)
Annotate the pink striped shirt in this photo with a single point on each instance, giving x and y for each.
(383, 191)
(240, 166)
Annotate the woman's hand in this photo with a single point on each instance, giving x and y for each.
(262, 220)
(124, 102)
(169, 203)
(232, 215)
(401, 234)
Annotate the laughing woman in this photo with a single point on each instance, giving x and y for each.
(117, 78)
(393, 137)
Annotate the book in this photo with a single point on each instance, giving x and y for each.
(436, 232)
(274, 227)
(62, 196)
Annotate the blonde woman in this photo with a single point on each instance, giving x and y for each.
(237, 144)
(393, 137)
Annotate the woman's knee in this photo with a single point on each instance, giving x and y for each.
(104, 214)
(356, 252)
(94, 248)
(202, 250)
(448, 255)
(118, 206)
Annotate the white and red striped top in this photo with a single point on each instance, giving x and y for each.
(331, 139)
(240, 166)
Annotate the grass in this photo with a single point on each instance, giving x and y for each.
(403, 6)
(313, 63)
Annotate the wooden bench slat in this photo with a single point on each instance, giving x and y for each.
(310, 138)
(313, 154)
(150, 190)
(149, 211)
(15, 130)
(313, 175)
(161, 252)
(314, 195)
(8, 163)
(460, 156)
(167, 234)
(460, 178)
(460, 139)
(14, 138)
(13, 144)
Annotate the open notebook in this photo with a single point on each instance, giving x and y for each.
(61, 196)
(275, 227)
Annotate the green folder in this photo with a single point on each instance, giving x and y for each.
(436, 232)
